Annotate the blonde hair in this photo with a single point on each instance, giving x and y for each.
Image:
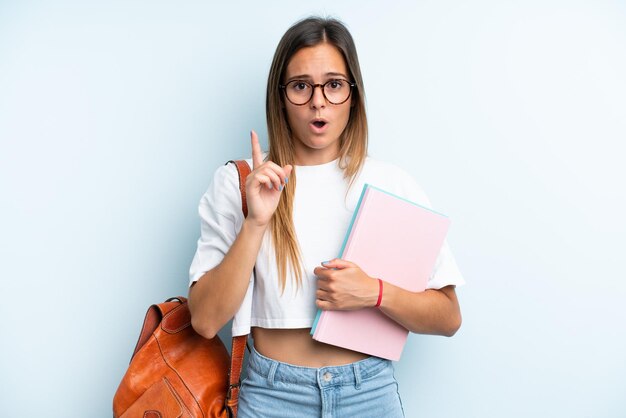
(353, 142)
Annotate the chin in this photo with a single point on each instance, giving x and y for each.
(319, 145)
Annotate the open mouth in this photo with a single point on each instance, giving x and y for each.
(319, 123)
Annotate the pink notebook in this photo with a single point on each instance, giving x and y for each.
(393, 239)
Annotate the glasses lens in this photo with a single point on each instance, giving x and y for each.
(298, 92)
(337, 91)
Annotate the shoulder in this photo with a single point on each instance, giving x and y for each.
(223, 194)
(375, 167)
(225, 179)
(393, 178)
(226, 176)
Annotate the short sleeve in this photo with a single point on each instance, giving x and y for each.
(446, 272)
(220, 221)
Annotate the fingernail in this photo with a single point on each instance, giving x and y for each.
(325, 262)
(286, 180)
(281, 188)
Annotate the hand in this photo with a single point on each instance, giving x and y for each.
(342, 285)
(264, 185)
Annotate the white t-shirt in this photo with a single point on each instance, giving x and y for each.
(322, 213)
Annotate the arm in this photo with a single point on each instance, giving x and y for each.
(344, 286)
(432, 311)
(216, 296)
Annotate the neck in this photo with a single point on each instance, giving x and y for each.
(309, 156)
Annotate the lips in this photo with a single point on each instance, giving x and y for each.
(318, 125)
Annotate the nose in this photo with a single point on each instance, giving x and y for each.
(318, 100)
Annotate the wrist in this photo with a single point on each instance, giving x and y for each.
(254, 226)
(379, 295)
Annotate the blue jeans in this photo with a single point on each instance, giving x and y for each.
(363, 389)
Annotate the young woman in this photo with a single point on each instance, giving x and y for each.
(273, 269)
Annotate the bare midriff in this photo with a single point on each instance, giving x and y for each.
(295, 346)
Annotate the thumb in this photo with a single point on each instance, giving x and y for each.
(288, 169)
(337, 263)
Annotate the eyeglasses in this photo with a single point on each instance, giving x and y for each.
(336, 91)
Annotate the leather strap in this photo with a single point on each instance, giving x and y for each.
(234, 376)
(243, 169)
(239, 342)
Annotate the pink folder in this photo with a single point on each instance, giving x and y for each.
(393, 239)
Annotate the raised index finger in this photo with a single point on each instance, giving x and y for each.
(257, 155)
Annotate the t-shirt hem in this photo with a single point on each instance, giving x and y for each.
(272, 324)
(282, 323)
(276, 323)
(441, 283)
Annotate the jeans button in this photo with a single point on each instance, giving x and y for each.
(327, 377)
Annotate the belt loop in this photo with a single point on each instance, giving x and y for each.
(272, 372)
(357, 376)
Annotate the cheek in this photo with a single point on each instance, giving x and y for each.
(293, 117)
(345, 116)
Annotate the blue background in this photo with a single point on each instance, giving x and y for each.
(511, 115)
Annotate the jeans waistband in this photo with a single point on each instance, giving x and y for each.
(348, 374)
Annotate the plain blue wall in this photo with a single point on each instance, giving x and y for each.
(511, 115)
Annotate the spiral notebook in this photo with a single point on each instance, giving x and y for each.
(394, 239)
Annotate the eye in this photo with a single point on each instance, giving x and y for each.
(335, 84)
(299, 86)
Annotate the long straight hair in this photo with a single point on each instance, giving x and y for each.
(353, 142)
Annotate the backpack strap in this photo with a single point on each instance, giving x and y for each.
(239, 342)
(243, 169)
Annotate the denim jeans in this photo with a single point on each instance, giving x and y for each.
(363, 389)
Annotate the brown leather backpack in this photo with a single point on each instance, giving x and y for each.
(175, 372)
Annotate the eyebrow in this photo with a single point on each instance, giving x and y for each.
(308, 77)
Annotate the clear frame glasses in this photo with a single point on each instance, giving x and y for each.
(336, 91)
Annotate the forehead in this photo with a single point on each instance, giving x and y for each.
(316, 61)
